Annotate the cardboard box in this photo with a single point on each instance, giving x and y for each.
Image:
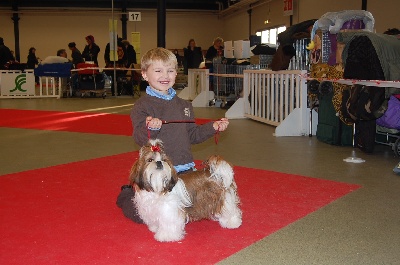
(241, 49)
(228, 49)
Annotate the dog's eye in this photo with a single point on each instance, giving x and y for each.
(150, 160)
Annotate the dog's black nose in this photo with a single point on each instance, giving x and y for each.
(159, 165)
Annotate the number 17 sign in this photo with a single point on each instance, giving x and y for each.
(135, 16)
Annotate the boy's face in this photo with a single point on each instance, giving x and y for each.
(160, 76)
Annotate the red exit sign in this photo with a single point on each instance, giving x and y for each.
(287, 7)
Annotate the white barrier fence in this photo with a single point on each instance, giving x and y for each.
(198, 89)
(18, 84)
(279, 98)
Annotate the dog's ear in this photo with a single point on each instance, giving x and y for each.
(174, 176)
(135, 174)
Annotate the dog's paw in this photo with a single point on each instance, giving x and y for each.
(153, 228)
(230, 223)
(164, 236)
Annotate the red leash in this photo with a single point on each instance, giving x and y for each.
(216, 136)
(166, 122)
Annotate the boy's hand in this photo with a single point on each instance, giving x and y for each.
(221, 125)
(153, 123)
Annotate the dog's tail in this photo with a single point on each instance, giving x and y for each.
(221, 171)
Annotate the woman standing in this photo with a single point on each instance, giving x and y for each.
(32, 59)
(193, 56)
(217, 49)
(91, 50)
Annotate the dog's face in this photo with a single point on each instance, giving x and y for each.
(153, 171)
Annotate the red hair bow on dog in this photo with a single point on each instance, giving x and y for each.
(155, 148)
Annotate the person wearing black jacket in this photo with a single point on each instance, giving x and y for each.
(75, 54)
(193, 56)
(215, 50)
(121, 62)
(130, 53)
(32, 60)
(5, 55)
(91, 50)
(76, 59)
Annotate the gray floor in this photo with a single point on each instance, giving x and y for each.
(360, 228)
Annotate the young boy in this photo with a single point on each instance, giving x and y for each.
(163, 115)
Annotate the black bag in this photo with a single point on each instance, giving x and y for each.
(364, 136)
(263, 49)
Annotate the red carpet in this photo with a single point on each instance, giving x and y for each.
(66, 214)
(85, 122)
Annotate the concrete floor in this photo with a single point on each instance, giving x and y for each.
(360, 228)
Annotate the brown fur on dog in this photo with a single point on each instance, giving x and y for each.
(202, 191)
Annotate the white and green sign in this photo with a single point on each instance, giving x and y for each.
(17, 83)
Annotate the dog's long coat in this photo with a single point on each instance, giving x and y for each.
(167, 202)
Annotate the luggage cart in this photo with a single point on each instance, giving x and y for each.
(390, 137)
(388, 125)
(90, 80)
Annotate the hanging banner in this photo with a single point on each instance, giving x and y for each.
(112, 31)
(287, 7)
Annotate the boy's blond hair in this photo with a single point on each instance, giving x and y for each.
(157, 55)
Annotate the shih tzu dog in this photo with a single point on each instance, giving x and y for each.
(166, 202)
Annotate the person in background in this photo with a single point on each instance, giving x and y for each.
(193, 56)
(160, 103)
(75, 54)
(32, 60)
(62, 53)
(178, 58)
(215, 50)
(76, 59)
(62, 57)
(121, 52)
(121, 62)
(6, 56)
(91, 50)
(130, 53)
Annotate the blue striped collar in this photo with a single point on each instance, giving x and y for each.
(154, 93)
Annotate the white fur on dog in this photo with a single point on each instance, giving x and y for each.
(163, 214)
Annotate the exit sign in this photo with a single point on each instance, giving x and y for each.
(287, 7)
